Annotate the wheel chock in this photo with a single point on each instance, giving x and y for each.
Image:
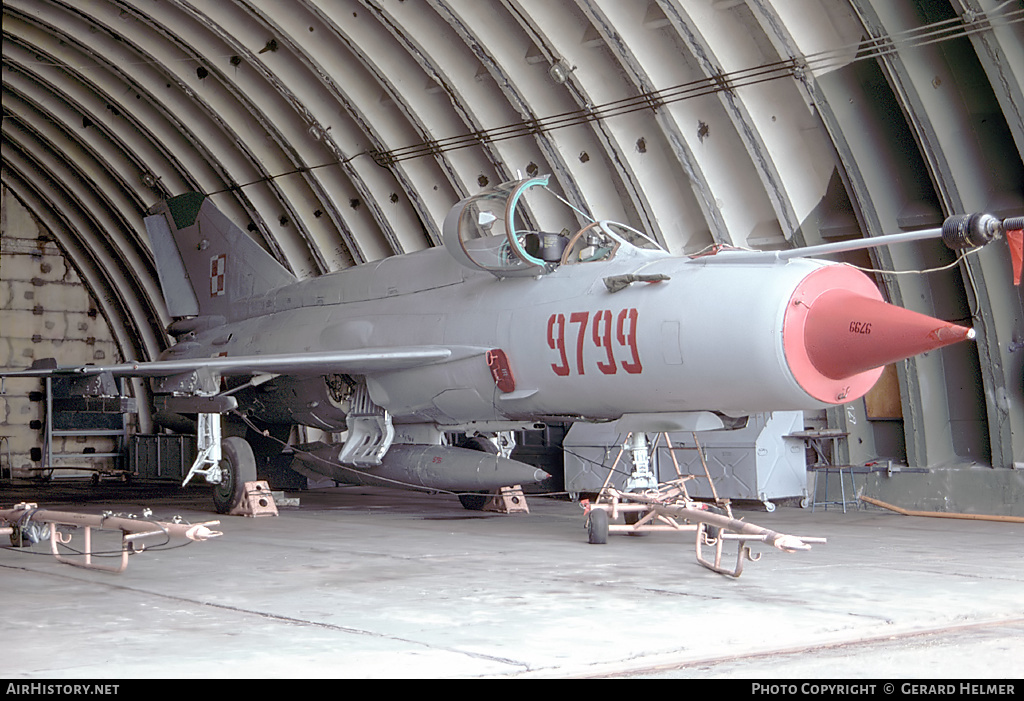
(258, 501)
(508, 500)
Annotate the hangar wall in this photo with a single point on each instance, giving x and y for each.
(45, 312)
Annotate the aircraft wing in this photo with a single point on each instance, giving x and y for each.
(357, 362)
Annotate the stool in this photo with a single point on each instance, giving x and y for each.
(840, 470)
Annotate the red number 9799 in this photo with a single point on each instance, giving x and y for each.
(606, 332)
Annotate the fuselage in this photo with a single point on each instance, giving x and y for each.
(707, 338)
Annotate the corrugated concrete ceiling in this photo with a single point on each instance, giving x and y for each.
(341, 132)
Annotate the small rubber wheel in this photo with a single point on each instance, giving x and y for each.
(597, 527)
(713, 532)
(238, 466)
(17, 541)
(632, 518)
(476, 502)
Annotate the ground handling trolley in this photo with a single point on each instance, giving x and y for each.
(667, 507)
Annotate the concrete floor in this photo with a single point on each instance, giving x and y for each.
(359, 582)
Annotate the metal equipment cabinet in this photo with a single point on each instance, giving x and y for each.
(759, 462)
(90, 408)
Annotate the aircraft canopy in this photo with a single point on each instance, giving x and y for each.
(482, 232)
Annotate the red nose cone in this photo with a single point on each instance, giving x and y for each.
(847, 334)
(838, 334)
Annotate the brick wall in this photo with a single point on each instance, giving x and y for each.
(45, 312)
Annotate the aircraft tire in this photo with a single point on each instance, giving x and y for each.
(597, 527)
(238, 465)
(476, 502)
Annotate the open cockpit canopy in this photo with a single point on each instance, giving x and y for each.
(485, 232)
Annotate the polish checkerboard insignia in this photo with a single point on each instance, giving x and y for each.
(218, 265)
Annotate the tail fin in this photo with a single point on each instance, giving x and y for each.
(206, 263)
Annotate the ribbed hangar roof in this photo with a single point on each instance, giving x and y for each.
(341, 132)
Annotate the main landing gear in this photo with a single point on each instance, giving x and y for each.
(227, 464)
(237, 466)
